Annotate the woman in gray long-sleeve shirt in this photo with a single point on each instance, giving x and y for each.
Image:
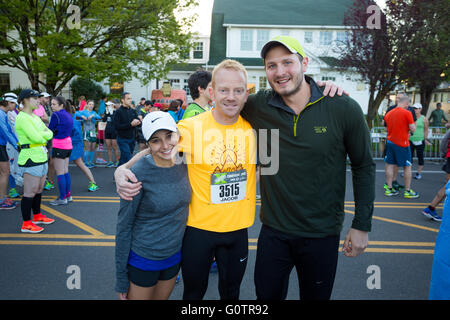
(150, 227)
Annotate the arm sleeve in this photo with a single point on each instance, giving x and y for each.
(53, 122)
(125, 222)
(358, 145)
(36, 134)
(7, 131)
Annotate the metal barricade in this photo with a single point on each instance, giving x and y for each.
(435, 134)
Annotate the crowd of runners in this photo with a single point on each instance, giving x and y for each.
(208, 156)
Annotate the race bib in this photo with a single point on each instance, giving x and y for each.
(44, 148)
(92, 134)
(228, 187)
(417, 143)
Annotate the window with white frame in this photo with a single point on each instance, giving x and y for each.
(285, 32)
(262, 37)
(341, 36)
(198, 50)
(175, 83)
(308, 37)
(246, 40)
(325, 37)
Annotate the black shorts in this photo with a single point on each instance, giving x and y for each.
(3, 154)
(147, 279)
(110, 134)
(61, 153)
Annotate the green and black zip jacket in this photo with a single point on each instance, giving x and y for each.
(305, 197)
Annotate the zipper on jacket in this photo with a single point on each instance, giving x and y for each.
(298, 116)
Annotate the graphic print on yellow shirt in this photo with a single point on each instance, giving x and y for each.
(221, 166)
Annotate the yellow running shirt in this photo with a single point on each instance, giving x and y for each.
(221, 166)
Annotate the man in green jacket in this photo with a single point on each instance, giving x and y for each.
(437, 116)
(302, 207)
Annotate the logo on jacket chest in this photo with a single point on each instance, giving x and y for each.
(320, 129)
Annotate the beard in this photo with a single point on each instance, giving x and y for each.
(297, 81)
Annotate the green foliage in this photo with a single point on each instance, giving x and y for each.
(115, 39)
(87, 88)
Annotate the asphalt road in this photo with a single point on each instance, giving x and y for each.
(74, 257)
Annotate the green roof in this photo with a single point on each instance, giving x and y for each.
(187, 67)
(331, 61)
(283, 12)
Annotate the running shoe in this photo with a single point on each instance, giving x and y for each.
(116, 164)
(49, 185)
(42, 219)
(13, 193)
(427, 212)
(410, 194)
(69, 199)
(58, 202)
(100, 161)
(110, 164)
(7, 204)
(30, 227)
(397, 186)
(213, 268)
(92, 187)
(386, 187)
(390, 192)
(418, 176)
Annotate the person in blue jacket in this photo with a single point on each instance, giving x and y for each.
(440, 274)
(6, 135)
(89, 118)
(77, 152)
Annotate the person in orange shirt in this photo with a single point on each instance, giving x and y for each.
(399, 124)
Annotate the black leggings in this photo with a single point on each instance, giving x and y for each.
(420, 152)
(230, 250)
(315, 260)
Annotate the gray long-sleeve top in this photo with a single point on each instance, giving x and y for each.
(153, 223)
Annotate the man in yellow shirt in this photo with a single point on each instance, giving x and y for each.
(220, 151)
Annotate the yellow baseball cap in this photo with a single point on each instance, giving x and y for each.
(290, 43)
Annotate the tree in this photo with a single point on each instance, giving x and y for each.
(87, 88)
(369, 52)
(409, 44)
(425, 63)
(53, 40)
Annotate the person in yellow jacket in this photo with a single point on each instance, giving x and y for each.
(33, 136)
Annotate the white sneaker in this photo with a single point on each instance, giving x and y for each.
(58, 202)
